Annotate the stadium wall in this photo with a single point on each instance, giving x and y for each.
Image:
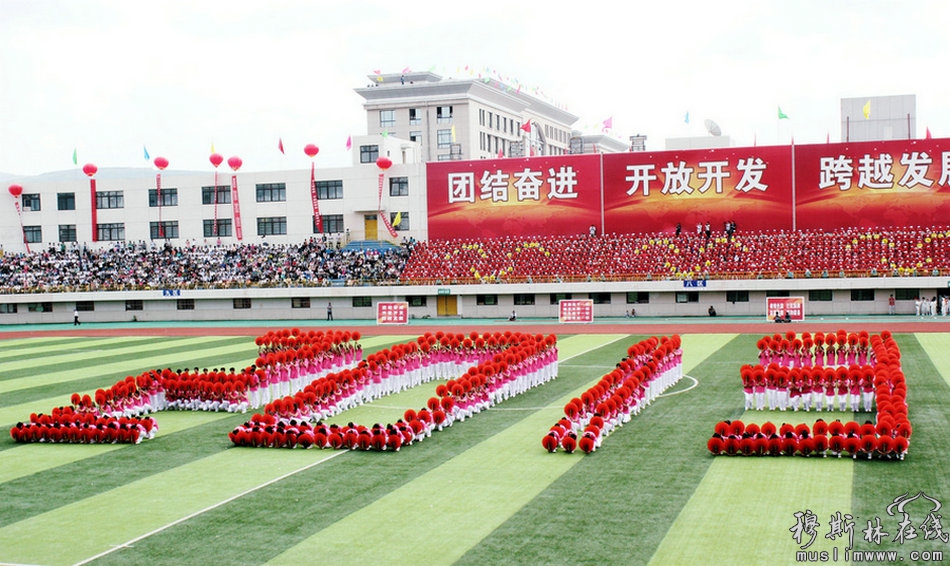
(822, 297)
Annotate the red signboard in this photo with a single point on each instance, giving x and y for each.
(575, 311)
(793, 306)
(871, 184)
(655, 191)
(392, 313)
(514, 197)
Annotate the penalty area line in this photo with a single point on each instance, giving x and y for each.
(131, 542)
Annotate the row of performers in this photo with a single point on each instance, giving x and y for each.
(651, 367)
(802, 353)
(819, 388)
(65, 425)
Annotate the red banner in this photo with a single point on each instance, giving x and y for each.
(870, 184)
(655, 191)
(313, 198)
(93, 209)
(575, 311)
(794, 307)
(514, 197)
(392, 313)
(236, 202)
(214, 227)
(158, 199)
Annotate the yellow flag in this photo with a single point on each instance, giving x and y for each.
(398, 219)
(867, 109)
(453, 133)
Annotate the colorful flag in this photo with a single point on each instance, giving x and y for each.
(280, 145)
(398, 220)
(501, 153)
(828, 137)
(349, 143)
(782, 115)
(453, 133)
(385, 133)
(608, 123)
(526, 127)
(145, 151)
(867, 109)
(75, 157)
(686, 118)
(212, 147)
(927, 134)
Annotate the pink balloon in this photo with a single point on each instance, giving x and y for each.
(216, 159)
(161, 163)
(15, 190)
(89, 169)
(311, 150)
(384, 163)
(235, 163)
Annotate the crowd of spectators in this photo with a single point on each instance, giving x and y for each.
(138, 266)
(728, 254)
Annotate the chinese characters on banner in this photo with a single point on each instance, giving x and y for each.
(575, 311)
(794, 306)
(866, 184)
(392, 313)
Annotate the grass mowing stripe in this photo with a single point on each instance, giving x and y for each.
(116, 363)
(51, 358)
(613, 507)
(924, 469)
(159, 500)
(28, 459)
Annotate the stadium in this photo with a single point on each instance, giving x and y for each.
(528, 284)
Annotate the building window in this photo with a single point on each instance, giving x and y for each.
(416, 301)
(687, 297)
(414, 118)
(241, 303)
(387, 118)
(39, 307)
(7, 308)
(133, 305)
(600, 298)
(112, 232)
(369, 153)
(330, 189)
(66, 201)
(33, 234)
(524, 299)
(558, 297)
(443, 114)
(906, 294)
(31, 201)
(399, 186)
(399, 220)
(862, 294)
(638, 298)
(186, 304)
(169, 197)
(271, 192)
(67, 232)
(443, 157)
(817, 295)
(163, 230)
(332, 224)
(224, 228)
(486, 300)
(737, 296)
(272, 226)
(362, 302)
(300, 302)
(444, 138)
(415, 136)
(109, 199)
(85, 306)
(223, 193)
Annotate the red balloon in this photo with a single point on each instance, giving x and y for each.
(15, 190)
(311, 150)
(89, 169)
(384, 163)
(161, 163)
(216, 159)
(235, 163)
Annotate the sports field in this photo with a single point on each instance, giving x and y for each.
(481, 492)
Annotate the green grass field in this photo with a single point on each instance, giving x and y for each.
(481, 492)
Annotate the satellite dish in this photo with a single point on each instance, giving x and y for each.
(712, 127)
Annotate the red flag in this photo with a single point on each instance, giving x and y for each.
(280, 145)
(526, 127)
(927, 135)
(349, 142)
(500, 154)
(608, 123)
(828, 137)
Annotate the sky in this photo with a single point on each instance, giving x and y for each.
(112, 79)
